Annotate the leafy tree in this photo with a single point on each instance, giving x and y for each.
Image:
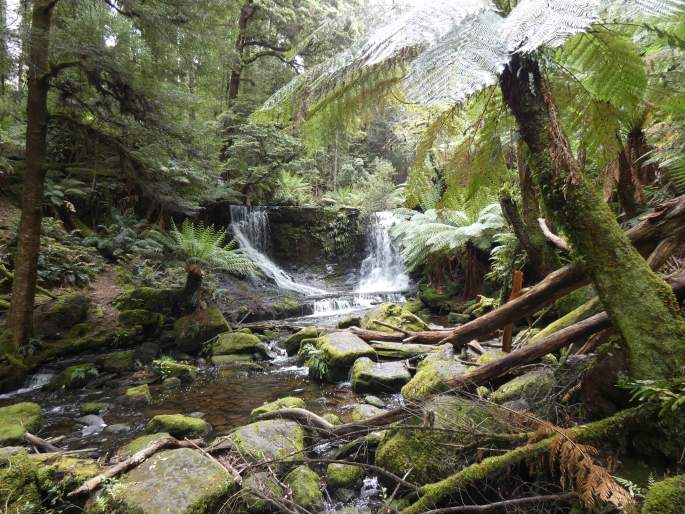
(453, 51)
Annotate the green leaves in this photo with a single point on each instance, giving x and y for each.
(671, 395)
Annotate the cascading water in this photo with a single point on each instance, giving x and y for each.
(383, 270)
(250, 227)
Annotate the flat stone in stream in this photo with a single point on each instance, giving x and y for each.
(378, 377)
(239, 343)
(182, 481)
(340, 350)
(401, 351)
(179, 426)
(270, 439)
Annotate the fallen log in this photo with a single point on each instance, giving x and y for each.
(40, 443)
(503, 505)
(135, 460)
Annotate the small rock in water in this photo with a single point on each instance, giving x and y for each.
(91, 420)
(118, 428)
(375, 401)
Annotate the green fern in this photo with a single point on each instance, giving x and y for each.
(204, 246)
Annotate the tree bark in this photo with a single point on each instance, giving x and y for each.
(642, 307)
(246, 12)
(191, 289)
(20, 321)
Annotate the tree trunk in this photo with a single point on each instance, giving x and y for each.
(641, 305)
(20, 322)
(473, 273)
(191, 289)
(246, 12)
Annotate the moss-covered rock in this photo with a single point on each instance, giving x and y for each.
(490, 356)
(179, 426)
(436, 300)
(92, 408)
(138, 444)
(237, 360)
(141, 317)
(234, 343)
(162, 301)
(352, 321)
(395, 315)
(306, 488)
(292, 343)
(532, 387)
(333, 419)
(17, 419)
(138, 395)
(119, 362)
(74, 377)
(182, 481)
(435, 454)
(343, 476)
(401, 351)
(273, 439)
(195, 329)
(433, 373)
(54, 319)
(264, 484)
(458, 318)
(339, 351)
(289, 402)
(168, 368)
(378, 377)
(666, 497)
(363, 411)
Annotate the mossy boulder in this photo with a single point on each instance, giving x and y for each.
(74, 377)
(363, 411)
(239, 360)
(141, 317)
(343, 476)
(17, 419)
(339, 351)
(306, 488)
(273, 439)
(264, 484)
(54, 319)
(168, 368)
(333, 419)
(395, 315)
(138, 395)
(292, 343)
(532, 386)
(401, 351)
(666, 497)
(179, 426)
(120, 362)
(92, 408)
(162, 301)
(378, 377)
(490, 356)
(138, 444)
(352, 321)
(433, 373)
(195, 329)
(13, 369)
(432, 455)
(182, 481)
(436, 300)
(238, 343)
(289, 402)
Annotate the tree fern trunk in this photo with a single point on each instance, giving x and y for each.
(641, 305)
(191, 289)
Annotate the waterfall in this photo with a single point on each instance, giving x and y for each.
(383, 270)
(250, 227)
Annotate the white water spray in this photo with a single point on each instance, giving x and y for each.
(383, 270)
(250, 227)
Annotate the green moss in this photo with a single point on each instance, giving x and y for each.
(17, 419)
(138, 444)
(167, 368)
(490, 356)
(119, 362)
(305, 486)
(431, 378)
(292, 343)
(385, 377)
(238, 343)
(333, 419)
(266, 485)
(582, 312)
(395, 315)
(138, 395)
(436, 300)
(666, 497)
(141, 317)
(289, 402)
(271, 440)
(54, 318)
(161, 301)
(92, 408)
(178, 426)
(195, 329)
(74, 377)
(352, 321)
(364, 411)
(340, 350)
(343, 476)
(532, 386)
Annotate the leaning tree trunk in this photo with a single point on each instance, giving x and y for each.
(191, 289)
(20, 321)
(641, 305)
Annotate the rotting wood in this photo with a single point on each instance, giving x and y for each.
(40, 443)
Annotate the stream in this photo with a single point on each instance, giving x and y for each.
(225, 396)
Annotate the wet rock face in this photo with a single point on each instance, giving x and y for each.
(182, 481)
(378, 377)
(270, 440)
(17, 419)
